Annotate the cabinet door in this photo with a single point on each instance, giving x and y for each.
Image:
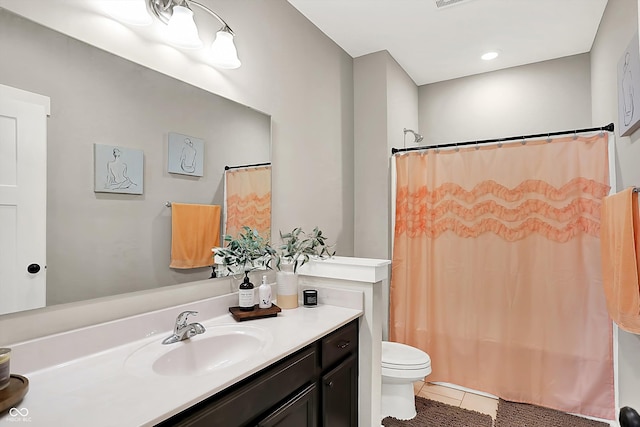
(299, 411)
(340, 395)
(240, 407)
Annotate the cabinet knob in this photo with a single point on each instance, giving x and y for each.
(33, 268)
(343, 344)
(329, 384)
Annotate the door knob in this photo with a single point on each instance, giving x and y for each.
(33, 268)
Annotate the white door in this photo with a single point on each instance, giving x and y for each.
(23, 199)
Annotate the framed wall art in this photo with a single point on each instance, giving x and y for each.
(186, 155)
(118, 169)
(629, 89)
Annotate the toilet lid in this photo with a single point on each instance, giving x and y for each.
(396, 354)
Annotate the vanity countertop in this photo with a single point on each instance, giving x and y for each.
(97, 390)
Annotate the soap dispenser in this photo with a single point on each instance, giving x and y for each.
(245, 295)
(264, 293)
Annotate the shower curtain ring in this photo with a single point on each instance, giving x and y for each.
(548, 137)
(477, 147)
(575, 135)
(457, 148)
(523, 141)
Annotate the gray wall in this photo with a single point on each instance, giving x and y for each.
(371, 159)
(386, 101)
(618, 25)
(290, 70)
(119, 243)
(535, 98)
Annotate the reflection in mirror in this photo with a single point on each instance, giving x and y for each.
(248, 199)
(101, 244)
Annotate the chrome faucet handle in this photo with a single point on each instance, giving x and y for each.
(182, 331)
(181, 320)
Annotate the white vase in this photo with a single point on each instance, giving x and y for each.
(287, 286)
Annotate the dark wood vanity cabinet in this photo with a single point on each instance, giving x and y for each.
(339, 380)
(340, 395)
(300, 410)
(316, 386)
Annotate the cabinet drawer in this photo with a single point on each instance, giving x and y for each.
(339, 344)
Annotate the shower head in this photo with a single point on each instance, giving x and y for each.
(416, 136)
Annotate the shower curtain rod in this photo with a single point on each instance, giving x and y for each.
(247, 166)
(608, 128)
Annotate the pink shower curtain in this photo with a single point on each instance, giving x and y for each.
(497, 273)
(248, 200)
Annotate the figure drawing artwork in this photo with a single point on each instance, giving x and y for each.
(118, 169)
(186, 155)
(629, 89)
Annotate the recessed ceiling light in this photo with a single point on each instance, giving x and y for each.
(490, 55)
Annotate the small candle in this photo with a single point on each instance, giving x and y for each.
(5, 373)
(310, 297)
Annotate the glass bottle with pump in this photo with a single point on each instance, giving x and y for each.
(245, 295)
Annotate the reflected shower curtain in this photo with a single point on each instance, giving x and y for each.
(496, 270)
(248, 200)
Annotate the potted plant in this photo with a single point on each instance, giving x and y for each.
(246, 252)
(297, 248)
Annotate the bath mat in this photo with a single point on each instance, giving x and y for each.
(511, 414)
(432, 413)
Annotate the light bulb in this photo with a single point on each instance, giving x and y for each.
(182, 30)
(224, 51)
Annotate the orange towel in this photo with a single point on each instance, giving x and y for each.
(620, 244)
(195, 229)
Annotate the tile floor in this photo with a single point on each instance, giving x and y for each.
(462, 399)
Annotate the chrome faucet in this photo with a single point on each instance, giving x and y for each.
(182, 330)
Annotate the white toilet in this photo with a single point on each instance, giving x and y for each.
(402, 365)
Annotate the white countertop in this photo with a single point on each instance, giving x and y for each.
(96, 390)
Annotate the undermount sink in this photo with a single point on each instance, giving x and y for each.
(218, 347)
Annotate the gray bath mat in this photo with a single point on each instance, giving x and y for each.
(511, 414)
(437, 414)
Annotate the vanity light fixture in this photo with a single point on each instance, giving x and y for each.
(183, 32)
(490, 55)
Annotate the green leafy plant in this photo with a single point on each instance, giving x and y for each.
(298, 247)
(246, 252)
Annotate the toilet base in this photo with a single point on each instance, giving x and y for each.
(398, 400)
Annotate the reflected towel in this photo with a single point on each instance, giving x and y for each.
(195, 229)
(619, 240)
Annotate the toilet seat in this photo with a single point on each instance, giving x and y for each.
(404, 357)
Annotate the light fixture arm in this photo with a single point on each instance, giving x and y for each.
(163, 9)
(225, 26)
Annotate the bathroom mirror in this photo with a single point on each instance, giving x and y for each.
(101, 244)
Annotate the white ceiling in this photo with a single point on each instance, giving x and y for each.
(433, 44)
